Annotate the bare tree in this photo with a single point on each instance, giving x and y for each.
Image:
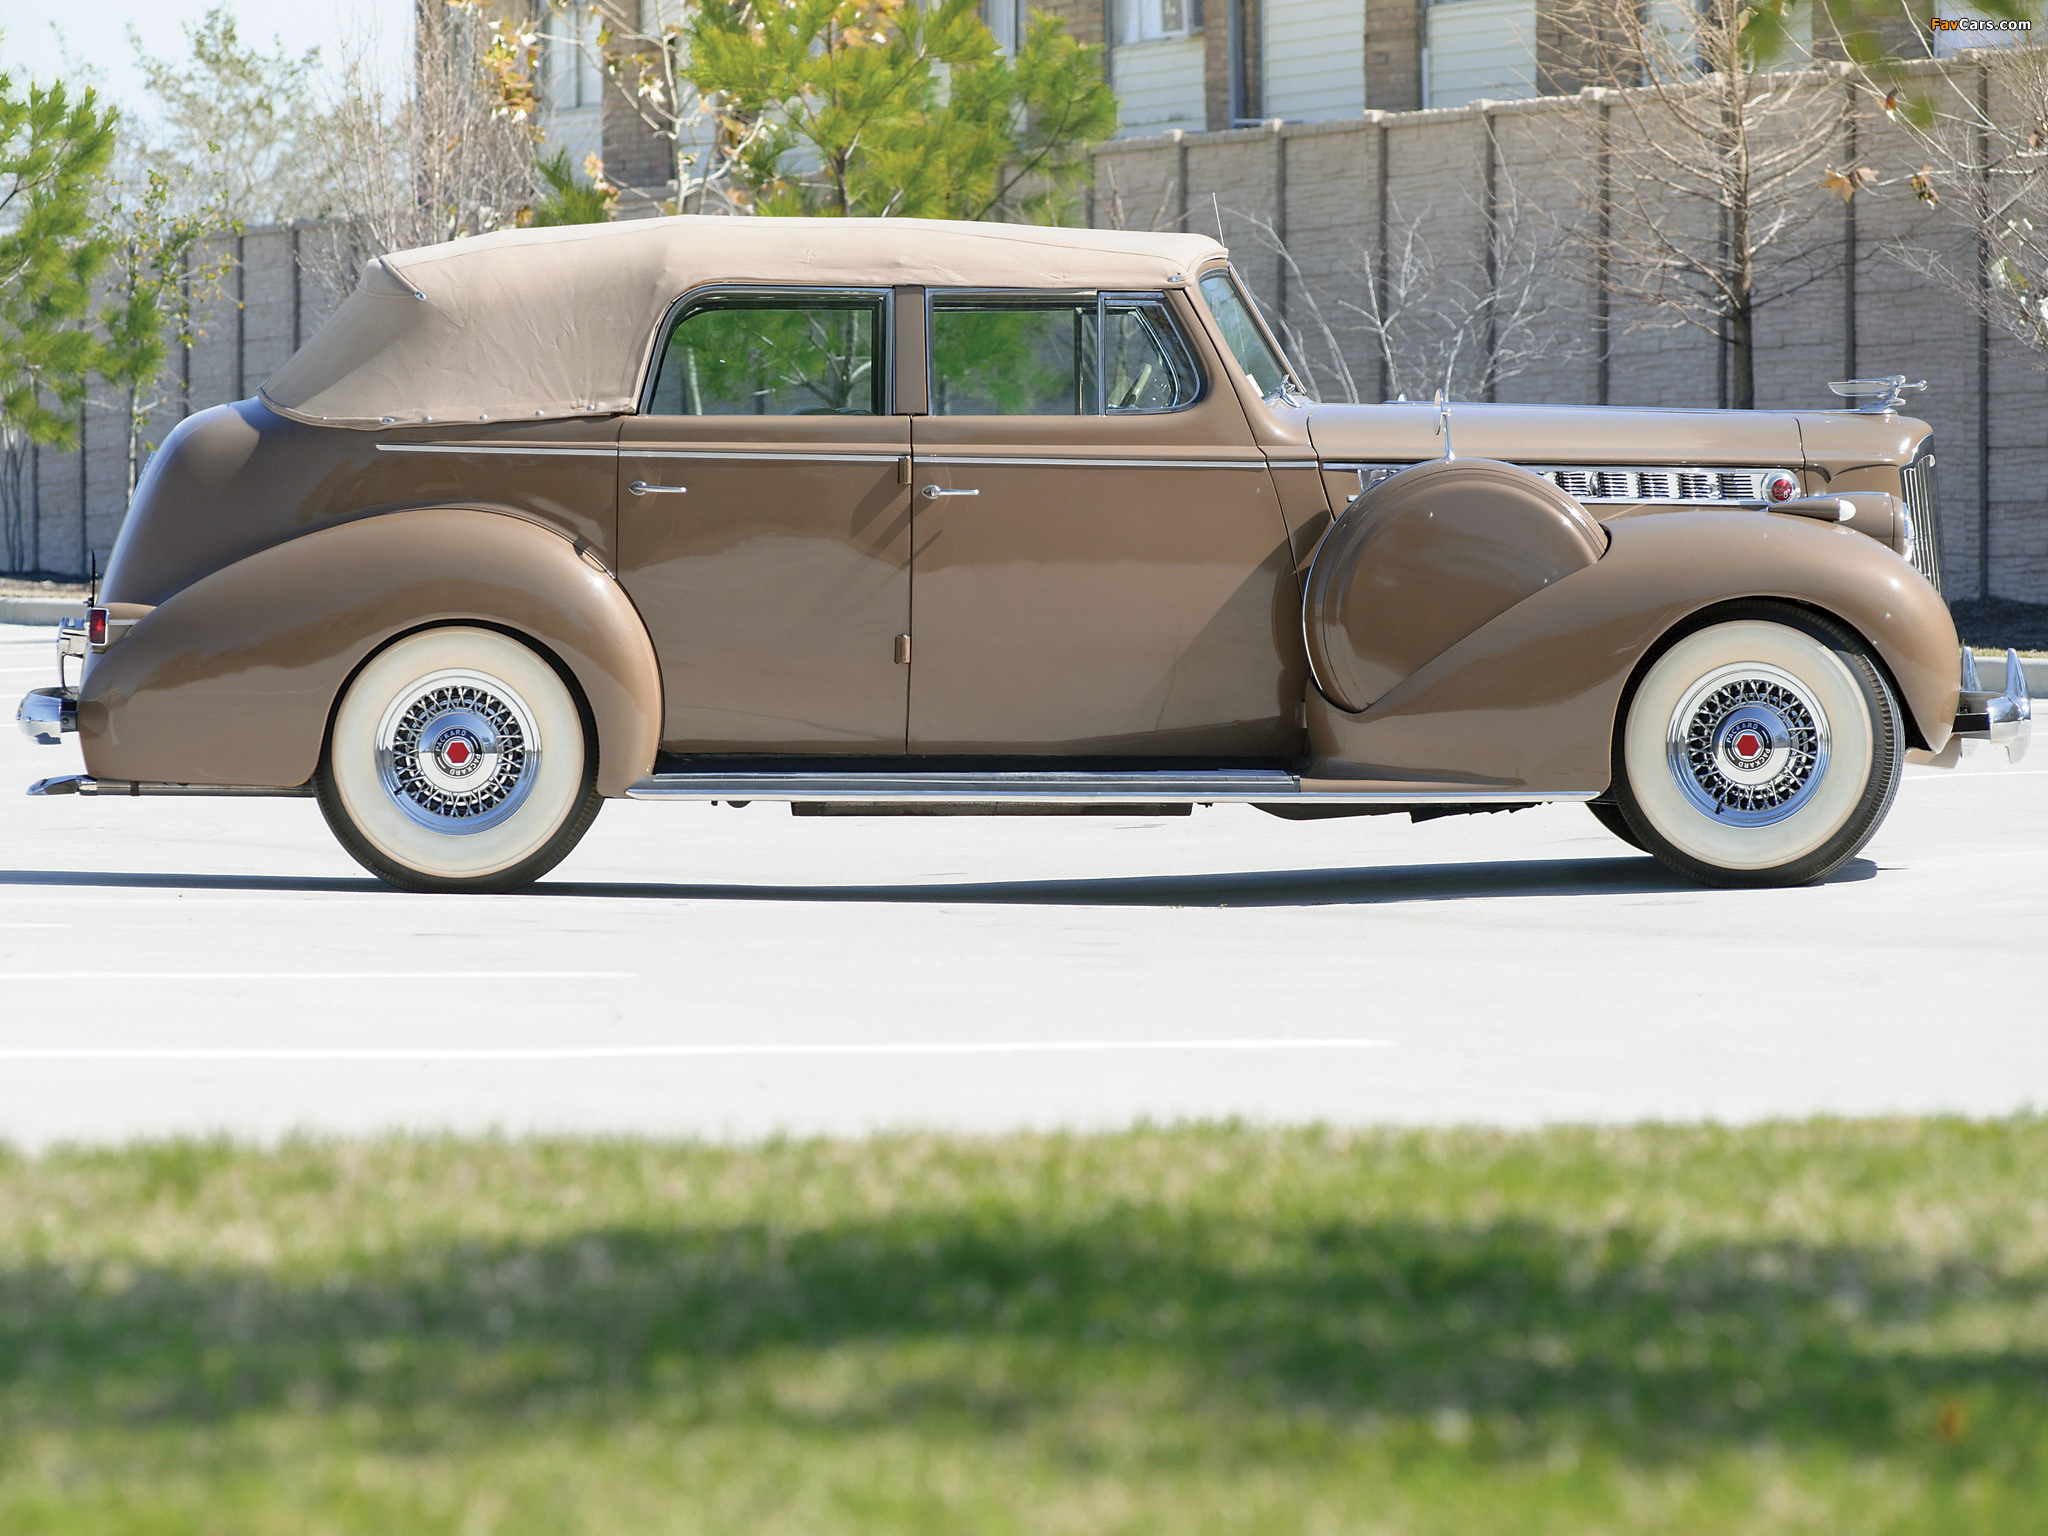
(1982, 138)
(1430, 319)
(453, 158)
(1706, 200)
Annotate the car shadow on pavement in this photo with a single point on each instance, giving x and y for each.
(1360, 886)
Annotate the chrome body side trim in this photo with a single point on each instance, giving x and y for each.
(85, 784)
(766, 454)
(1221, 786)
(47, 715)
(1104, 463)
(2005, 718)
(527, 449)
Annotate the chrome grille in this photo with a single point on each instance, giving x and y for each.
(1628, 485)
(1923, 516)
(1708, 486)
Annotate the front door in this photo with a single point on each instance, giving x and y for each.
(764, 526)
(1101, 566)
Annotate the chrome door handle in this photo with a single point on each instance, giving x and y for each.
(642, 488)
(934, 492)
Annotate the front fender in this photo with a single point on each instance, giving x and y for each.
(1530, 698)
(232, 680)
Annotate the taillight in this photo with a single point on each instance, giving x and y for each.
(96, 627)
(1780, 487)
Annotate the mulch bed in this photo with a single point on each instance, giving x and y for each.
(1993, 623)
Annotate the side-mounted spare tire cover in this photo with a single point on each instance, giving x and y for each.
(1423, 559)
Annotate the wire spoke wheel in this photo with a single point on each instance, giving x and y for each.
(459, 759)
(1764, 749)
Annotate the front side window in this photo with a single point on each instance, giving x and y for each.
(773, 355)
(1243, 334)
(1000, 355)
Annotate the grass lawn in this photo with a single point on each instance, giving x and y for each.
(1831, 1327)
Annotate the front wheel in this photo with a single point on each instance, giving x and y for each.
(459, 761)
(1764, 750)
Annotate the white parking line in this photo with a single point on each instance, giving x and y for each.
(99, 976)
(642, 1052)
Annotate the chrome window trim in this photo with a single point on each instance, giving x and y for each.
(679, 310)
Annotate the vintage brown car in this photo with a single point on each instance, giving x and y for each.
(890, 516)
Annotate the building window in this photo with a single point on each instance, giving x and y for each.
(1151, 21)
(1005, 18)
(574, 74)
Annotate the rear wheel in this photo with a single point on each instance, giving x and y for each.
(459, 761)
(1762, 750)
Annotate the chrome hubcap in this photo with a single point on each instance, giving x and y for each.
(457, 752)
(1748, 744)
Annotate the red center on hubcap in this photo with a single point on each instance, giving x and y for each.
(458, 752)
(1746, 745)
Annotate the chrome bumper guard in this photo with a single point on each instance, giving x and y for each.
(2005, 719)
(46, 715)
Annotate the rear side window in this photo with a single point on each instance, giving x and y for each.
(1004, 355)
(781, 355)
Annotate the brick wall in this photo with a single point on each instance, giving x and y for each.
(1318, 186)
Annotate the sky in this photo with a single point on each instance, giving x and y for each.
(96, 32)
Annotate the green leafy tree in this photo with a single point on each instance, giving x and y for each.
(54, 148)
(861, 107)
(889, 107)
(239, 125)
(568, 200)
(152, 284)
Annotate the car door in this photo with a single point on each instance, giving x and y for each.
(1101, 567)
(764, 527)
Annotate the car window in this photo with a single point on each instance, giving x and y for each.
(1146, 363)
(1243, 333)
(1013, 356)
(742, 355)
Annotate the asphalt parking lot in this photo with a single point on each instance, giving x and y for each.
(220, 965)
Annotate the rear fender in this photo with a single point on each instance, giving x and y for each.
(233, 679)
(1529, 699)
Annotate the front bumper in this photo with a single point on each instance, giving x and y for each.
(47, 715)
(2003, 718)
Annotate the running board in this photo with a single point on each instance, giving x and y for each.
(85, 784)
(1221, 786)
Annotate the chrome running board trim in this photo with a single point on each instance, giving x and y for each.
(1218, 786)
(85, 784)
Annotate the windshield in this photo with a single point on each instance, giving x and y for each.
(1244, 335)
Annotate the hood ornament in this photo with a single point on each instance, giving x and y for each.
(1876, 396)
(1443, 424)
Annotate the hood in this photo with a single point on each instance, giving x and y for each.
(1559, 434)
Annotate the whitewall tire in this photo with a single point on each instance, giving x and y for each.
(458, 760)
(1761, 750)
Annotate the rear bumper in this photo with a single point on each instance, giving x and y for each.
(2004, 717)
(47, 715)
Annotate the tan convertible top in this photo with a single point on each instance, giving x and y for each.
(558, 322)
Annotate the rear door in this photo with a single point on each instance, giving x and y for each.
(764, 526)
(1101, 566)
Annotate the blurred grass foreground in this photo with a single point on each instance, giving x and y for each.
(1828, 1327)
